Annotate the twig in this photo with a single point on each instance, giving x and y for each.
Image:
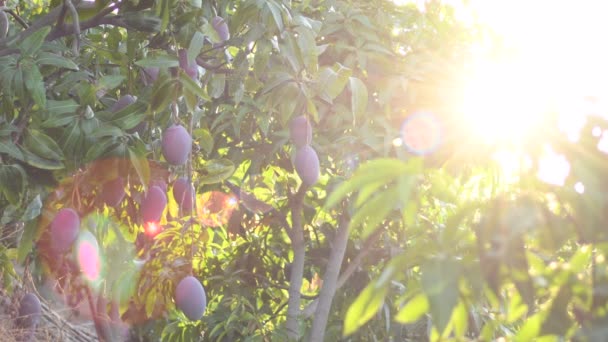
(18, 18)
(61, 18)
(75, 26)
(94, 313)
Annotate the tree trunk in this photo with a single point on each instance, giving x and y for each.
(330, 281)
(297, 267)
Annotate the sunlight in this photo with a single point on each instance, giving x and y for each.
(553, 168)
(501, 102)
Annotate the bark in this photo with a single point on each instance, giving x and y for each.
(348, 272)
(330, 280)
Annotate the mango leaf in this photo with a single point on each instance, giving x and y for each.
(42, 163)
(47, 58)
(307, 44)
(277, 79)
(162, 94)
(196, 44)
(217, 85)
(365, 306)
(12, 183)
(61, 107)
(33, 209)
(375, 211)
(12, 150)
(275, 11)
(35, 85)
(141, 166)
(203, 136)
(32, 43)
(334, 80)
(378, 170)
(440, 283)
(191, 86)
(161, 61)
(27, 240)
(42, 145)
(413, 310)
(99, 149)
(460, 319)
(216, 170)
(125, 287)
(359, 97)
(110, 82)
(531, 328)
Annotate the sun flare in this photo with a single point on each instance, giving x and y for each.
(550, 62)
(499, 105)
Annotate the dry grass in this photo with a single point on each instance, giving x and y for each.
(53, 326)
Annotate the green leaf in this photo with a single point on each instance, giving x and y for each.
(365, 306)
(531, 328)
(110, 82)
(32, 43)
(47, 58)
(35, 84)
(141, 166)
(125, 287)
(358, 97)
(334, 80)
(161, 61)
(40, 162)
(61, 107)
(375, 211)
(99, 149)
(205, 139)
(196, 44)
(216, 170)
(13, 181)
(42, 145)
(217, 85)
(413, 310)
(308, 46)
(378, 170)
(278, 78)
(162, 94)
(12, 150)
(440, 283)
(275, 10)
(27, 240)
(460, 319)
(191, 86)
(33, 210)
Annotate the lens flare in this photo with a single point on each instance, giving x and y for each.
(152, 228)
(214, 208)
(421, 133)
(255, 195)
(88, 257)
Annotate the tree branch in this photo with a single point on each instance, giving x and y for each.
(75, 26)
(330, 279)
(297, 267)
(61, 31)
(348, 272)
(18, 18)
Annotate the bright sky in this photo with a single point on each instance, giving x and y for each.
(558, 56)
